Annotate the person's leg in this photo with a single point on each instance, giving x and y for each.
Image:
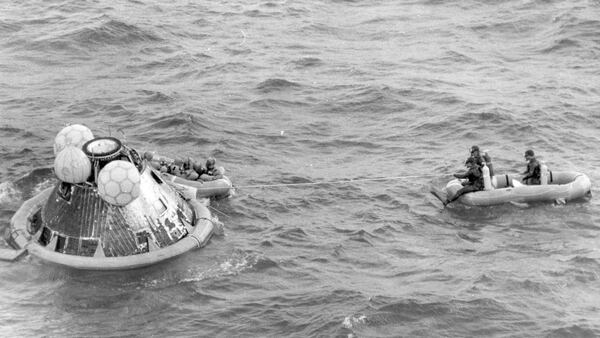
(462, 191)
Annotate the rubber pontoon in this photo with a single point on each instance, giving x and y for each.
(562, 186)
(218, 188)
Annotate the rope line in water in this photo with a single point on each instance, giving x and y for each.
(351, 180)
(218, 211)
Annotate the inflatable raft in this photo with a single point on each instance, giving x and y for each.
(110, 210)
(562, 186)
(219, 188)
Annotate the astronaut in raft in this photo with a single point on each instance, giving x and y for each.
(187, 169)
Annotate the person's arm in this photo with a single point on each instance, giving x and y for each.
(191, 175)
(473, 176)
(537, 170)
(478, 174)
(206, 177)
(218, 173)
(470, 173)
(529, 172)
(459, 175)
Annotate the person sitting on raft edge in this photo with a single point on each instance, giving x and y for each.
(532, 173)
(481, 158)
(189, 171)
(211, 172)
(148, 156)
(162, 164)
(474, 181)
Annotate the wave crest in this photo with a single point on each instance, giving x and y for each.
(112, 32)
(272, 85)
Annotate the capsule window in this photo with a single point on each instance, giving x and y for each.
(61, 243)
(88, 247)
(45, 237)
(142, 240)
(160, 206)
(72, 246)
(157, 177)
(65, 191)
(35, 222)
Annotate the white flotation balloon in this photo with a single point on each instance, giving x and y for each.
(119, 183)
(75, 135)
(72, 166)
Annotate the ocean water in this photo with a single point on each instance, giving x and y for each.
(323, 92)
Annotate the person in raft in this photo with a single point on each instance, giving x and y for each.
(481, 158)
(189, 171)
(532, 173)
(474, 180)
(162, 164)
(211, 172)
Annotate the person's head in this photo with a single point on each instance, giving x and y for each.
(475, 150)
(198, 168)
(148, 156)
(210, 163)
(188, 164)
(173, 169)
(529, 154)
(471, 162)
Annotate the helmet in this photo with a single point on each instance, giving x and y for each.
(198, 168)
(210, 162)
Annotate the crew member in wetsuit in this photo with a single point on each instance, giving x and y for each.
(189, 172)
(532, 174)
(174, 169)
(199, 169)
(481, 158)
(474, 181)
(158, 162)
(211, 172)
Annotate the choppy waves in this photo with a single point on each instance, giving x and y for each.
(360, 107)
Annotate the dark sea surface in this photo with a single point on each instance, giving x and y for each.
(288, 92)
